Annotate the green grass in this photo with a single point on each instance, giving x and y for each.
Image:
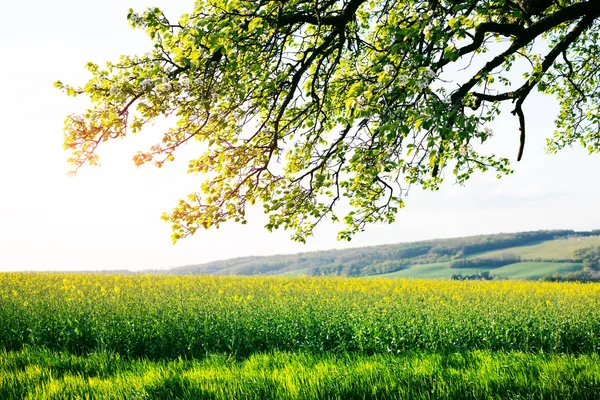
(559, 249)
(521, 270)
(425, 271)
(294, 273)
(86, 336)
(535, 270)
(41, 374)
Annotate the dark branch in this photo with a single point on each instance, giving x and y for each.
(524, 35)
(337, 20)
(519, 111)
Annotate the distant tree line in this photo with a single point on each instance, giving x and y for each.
(488, 262)
(460, 252)
(585, 276)
(590, 257)
(553, 260)
(479, 276)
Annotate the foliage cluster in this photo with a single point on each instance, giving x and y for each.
(169, 317)
(479, 276)
(590, 257)
(586, 275)
(305, 105)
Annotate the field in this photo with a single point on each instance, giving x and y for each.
(534, 255)
(558, 249)
(113, 336)
(552, 249)
(520, 270)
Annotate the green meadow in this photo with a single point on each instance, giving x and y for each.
(89, 336)
(42, 374)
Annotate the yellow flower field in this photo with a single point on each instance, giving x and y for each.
(155, 316)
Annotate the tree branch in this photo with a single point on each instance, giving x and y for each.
(337, 20)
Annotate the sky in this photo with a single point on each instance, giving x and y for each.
(108, 217)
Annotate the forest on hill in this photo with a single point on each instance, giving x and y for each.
(474, 252)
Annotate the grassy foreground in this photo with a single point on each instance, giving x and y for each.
(68, 336)
(40, 374)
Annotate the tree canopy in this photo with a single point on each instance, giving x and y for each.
(303, 105)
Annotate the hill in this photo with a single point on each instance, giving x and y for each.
(527, 255)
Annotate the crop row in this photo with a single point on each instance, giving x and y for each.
(169, 317)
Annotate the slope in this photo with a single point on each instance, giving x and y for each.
(538, 251)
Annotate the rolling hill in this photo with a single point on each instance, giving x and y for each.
(524, 255)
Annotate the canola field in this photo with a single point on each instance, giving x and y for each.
(117, 336)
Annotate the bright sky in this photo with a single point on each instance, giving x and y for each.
(108, 217)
